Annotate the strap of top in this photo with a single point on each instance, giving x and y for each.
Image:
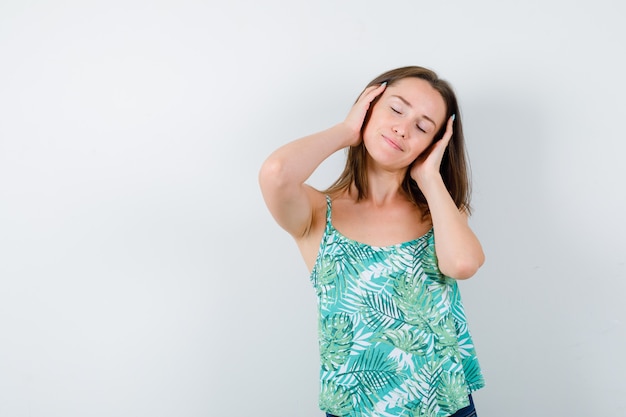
(328, 209)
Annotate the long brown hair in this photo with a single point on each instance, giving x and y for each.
(454, 165)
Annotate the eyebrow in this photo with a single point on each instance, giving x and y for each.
(409, 104)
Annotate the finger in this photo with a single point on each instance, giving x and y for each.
(378, 90)
(371, 92)
(449, 130)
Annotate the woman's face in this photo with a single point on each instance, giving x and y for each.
(403, 122)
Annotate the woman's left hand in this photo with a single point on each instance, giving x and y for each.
(427, 165)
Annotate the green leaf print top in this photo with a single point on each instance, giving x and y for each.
(393, 336)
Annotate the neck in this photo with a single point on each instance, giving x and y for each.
(384, 186)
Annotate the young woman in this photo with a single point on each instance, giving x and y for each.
(385, 245)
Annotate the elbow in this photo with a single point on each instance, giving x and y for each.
(462, 269)
(272, 174)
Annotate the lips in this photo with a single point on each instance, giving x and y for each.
(393, 143)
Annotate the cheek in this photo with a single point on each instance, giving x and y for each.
(371, 124)
(368, 136)
(375, 114)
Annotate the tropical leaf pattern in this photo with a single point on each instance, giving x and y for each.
(335, 335)
(393, 335)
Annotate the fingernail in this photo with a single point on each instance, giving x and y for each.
(383, 83)
(453, 117)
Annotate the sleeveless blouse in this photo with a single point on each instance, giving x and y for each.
(393, 336)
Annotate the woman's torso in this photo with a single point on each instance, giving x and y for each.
(393, 334)
(396, 220)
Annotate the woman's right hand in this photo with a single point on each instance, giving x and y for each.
(356, 117)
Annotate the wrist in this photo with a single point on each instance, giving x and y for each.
(348, 135)
(430, 183)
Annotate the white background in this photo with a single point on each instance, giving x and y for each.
(140, 272)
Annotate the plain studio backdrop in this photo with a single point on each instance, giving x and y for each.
(141, 273)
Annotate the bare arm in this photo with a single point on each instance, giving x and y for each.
(283, 175)
(458, 250)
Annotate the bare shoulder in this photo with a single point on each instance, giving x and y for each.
(309, 243)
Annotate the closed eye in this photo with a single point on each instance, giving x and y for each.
(396, 110)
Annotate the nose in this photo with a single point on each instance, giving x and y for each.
(399, 130)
